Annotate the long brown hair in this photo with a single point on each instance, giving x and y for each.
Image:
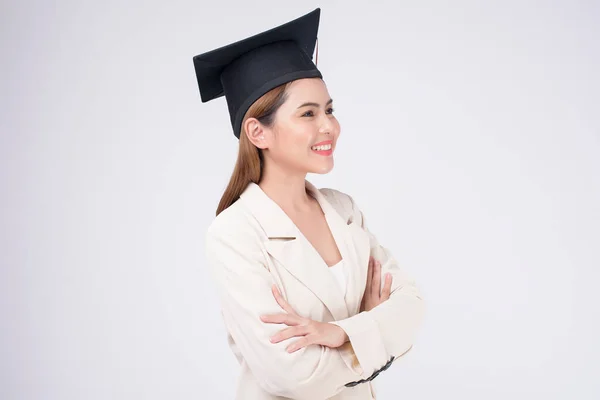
(249, 164)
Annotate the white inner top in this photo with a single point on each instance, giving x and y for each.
(340, 272)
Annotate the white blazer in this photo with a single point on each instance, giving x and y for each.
(254, 244)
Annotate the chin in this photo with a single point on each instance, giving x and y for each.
(322, 169)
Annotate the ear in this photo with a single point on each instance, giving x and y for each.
(256, 133)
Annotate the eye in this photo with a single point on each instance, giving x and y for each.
(330, 110)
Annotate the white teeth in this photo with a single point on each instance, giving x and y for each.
(322, 147)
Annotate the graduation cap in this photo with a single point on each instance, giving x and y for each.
(245, 70)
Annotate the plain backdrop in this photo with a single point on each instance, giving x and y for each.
(484, 116)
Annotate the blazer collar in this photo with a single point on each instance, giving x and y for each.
(286, 243)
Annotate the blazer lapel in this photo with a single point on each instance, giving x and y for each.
(353, 243)
(286, 243)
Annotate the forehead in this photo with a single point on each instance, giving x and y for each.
(309, 89)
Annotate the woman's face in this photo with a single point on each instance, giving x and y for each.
(305, 131)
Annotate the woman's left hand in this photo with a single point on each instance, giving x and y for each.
(312, 332)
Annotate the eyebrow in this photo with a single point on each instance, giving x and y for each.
(314, 104)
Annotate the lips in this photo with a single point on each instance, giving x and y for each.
(324, 148)
(323, 142)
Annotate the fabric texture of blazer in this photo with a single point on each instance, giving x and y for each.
(254, 244)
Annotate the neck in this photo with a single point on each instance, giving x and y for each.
(287, 189)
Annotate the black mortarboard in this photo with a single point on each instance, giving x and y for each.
(245, 70)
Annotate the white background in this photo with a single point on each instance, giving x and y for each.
(485, 116)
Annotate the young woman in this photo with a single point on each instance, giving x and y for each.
(315, 307)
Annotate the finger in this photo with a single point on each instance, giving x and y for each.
(387, 287)
(281, 301)
(287, 319)
(298, 330)
(377, 278)
(370, 274)
(298, 344)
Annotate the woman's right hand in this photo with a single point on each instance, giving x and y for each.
(374, 294)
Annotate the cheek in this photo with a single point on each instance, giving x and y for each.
(298, 141)
(292, 147)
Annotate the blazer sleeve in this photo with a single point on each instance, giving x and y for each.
(387, 331)
(243, 283)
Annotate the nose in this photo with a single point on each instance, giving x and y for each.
(326, 126)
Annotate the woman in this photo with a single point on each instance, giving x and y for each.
(315, 307)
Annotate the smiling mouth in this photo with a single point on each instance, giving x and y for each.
(324, 150)
(322, 147)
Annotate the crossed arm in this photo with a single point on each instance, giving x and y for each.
(370, 339)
